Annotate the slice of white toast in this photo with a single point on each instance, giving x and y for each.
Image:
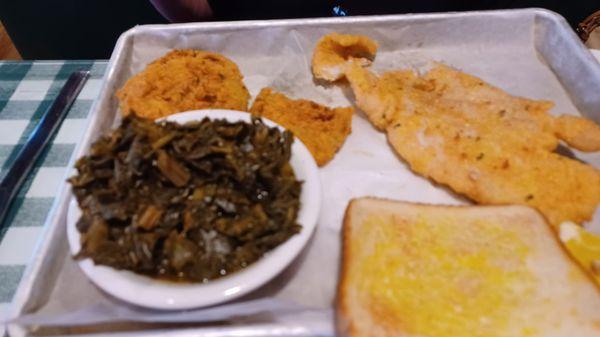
(426, 271)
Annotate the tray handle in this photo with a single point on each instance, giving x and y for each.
(585, 28)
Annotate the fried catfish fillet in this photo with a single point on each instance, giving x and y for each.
(482, 142)
(478, 140)
(323, 130)
(524, 114)
(490, 171)
(333, 50)
(184, 80)
(389, 96)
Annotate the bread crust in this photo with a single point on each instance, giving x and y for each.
(344, 326)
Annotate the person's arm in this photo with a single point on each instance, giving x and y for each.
(183, 10)
(195, 10)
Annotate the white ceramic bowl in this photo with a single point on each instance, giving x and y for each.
(147, 292)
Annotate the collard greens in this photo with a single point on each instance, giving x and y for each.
(186, 202)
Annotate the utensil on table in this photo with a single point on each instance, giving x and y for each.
(37, 141)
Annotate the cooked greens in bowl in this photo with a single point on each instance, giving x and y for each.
(189, 202)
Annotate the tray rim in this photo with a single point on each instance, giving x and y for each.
(52, 225)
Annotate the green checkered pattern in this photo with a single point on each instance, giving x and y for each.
(27, 89)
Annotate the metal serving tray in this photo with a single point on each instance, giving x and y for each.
(532, 52)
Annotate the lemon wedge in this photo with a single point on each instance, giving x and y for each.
(583, 246)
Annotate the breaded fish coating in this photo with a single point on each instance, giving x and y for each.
(527, 115)
(388, 97)
(479, 140)
(582, 134)
(482, 142)
(334, 50)
(489, 171)
(322, 129)
(184, 80)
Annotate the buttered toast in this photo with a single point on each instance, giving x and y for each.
(422, 270)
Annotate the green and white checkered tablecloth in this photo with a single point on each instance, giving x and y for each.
(26, 90)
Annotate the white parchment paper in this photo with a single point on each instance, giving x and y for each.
(501, 49)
